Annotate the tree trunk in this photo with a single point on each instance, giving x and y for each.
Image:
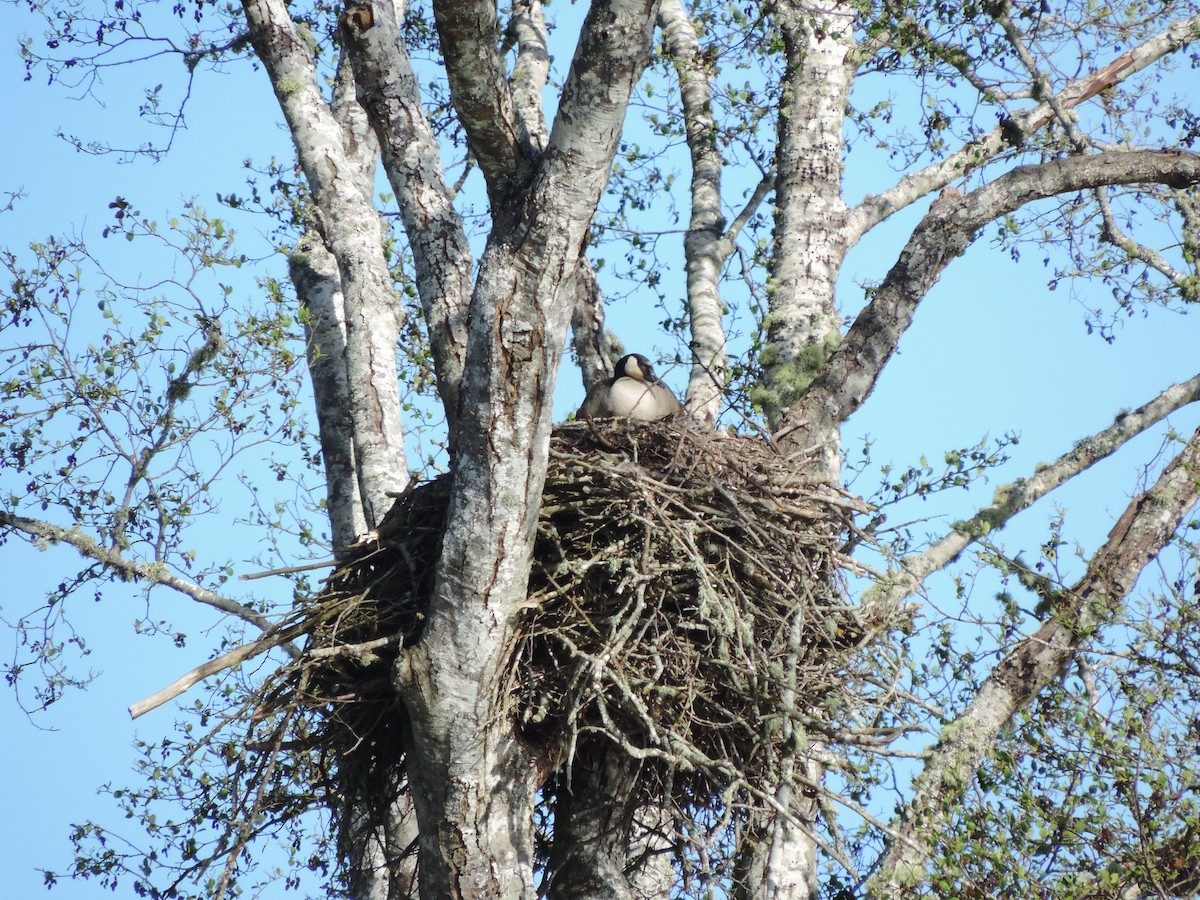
(704, 245)
(350, 228)
(779, 857)
(473, 782)
(803, 324)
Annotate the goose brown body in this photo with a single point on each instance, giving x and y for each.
(634, 392)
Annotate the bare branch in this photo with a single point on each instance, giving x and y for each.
(950, 226)
(1140, 533)
(1187, 284)
(1011, 499)
(388, 89)
(912, 187)
(151, 573)
(761, 191)
(274, 638)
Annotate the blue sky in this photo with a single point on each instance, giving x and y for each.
(991, 351)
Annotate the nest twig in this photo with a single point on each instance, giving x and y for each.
(686, 602)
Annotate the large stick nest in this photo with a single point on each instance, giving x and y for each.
(686, 602)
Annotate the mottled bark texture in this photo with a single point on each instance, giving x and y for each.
(802, 323)
(498, 341)
(473, 783)
(388, 90)
(592, 344)
(350, 229)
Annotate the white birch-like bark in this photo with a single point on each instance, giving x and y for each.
(802, 325)
(1028, 668)
(527, 27)
(704, 245)
(351, 230)
(318, 284)
(377, 870)
(951, 224)
(473, 782)
(388, 90)
(778, 859)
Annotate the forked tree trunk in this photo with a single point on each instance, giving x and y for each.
(473, 782)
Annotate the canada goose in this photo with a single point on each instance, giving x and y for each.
(634, 392)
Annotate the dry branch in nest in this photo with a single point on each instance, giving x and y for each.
(686, 603)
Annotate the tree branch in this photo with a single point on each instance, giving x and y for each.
(1010, 499)
(612, 53)
(350, 227)
(151, 573)
(950, 226)
(238, 655)
(527, 28)
(1188, 284)
(1140, 533)
(468, 31)
(388, 89)
(912, 187)
(704, 250)
(593, 348)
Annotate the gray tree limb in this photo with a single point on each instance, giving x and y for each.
(876, 207)
(704, 247)
(388, 90)
(472, 780)
(1019, 495)
(480, 92)
(803, 323)
(150, 573)
(949, 227)
(1145, 527)
(350, 227)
